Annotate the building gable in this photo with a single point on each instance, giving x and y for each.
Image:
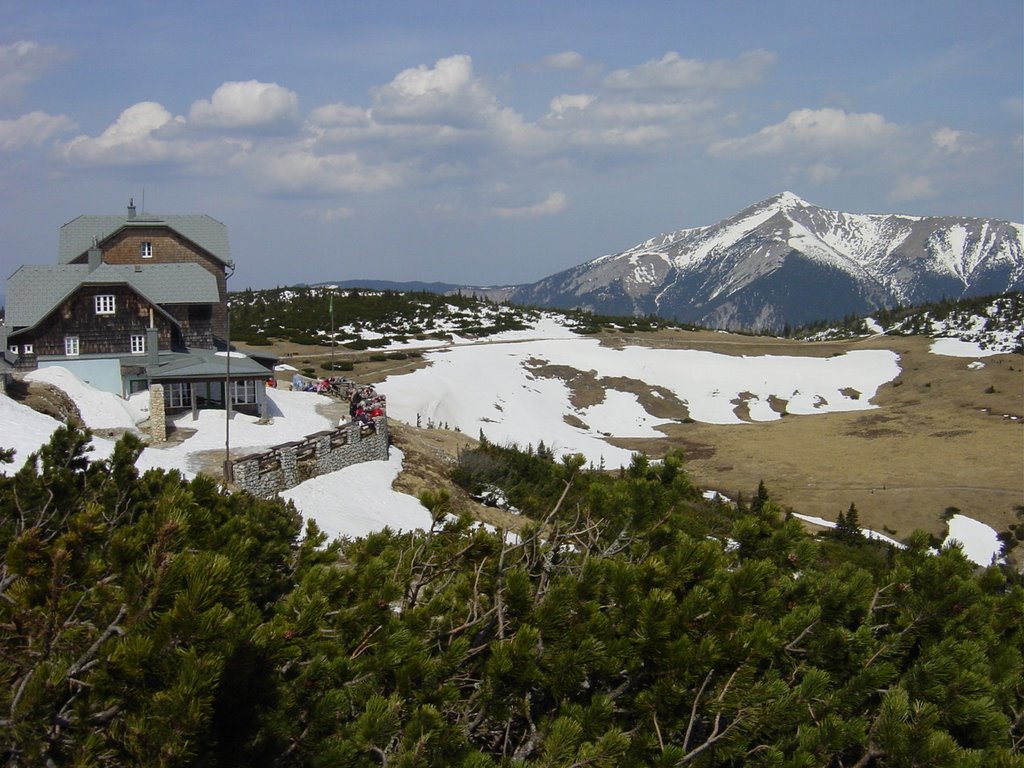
(205, 232)
(34, 291)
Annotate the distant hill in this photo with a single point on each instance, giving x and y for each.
(392, 285)
(367, 317)
(994, 323)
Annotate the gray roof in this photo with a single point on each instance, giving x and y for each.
(36, 290)
(204, 364)
(205, 231)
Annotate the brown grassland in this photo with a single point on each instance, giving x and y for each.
(943, 435)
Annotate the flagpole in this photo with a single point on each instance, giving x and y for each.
(332, 332)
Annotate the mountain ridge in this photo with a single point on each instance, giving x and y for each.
(781, 262)
(784, 261)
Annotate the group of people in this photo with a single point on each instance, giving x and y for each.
(335, 385)
(365, 405)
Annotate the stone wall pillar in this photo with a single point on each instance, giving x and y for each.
(157, 416)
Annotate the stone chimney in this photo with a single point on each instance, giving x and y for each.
(131, 207)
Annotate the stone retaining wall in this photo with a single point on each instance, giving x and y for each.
(285, 466)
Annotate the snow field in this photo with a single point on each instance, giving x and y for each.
(495, 388)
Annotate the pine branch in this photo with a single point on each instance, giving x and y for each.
(365, 642)
(793, 647)
(526, 747)
(499, 591)
(693, 709)
(112, 629)
(716, 734)
(868, 757)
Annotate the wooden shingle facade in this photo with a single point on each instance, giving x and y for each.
(141, 295)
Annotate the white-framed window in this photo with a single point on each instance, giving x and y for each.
(27, 349)
(138, 343)
(13, 349)
(105, 304)
(243, 392)
(178, 394)
(71, 346)
(146, 249)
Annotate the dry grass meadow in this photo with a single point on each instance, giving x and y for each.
(943, 435)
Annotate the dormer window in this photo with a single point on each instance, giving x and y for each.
(105, 304)
(146, 249)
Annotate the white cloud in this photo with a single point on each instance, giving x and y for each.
(299, 170)
(339, 114)
(428, 116)
(586, 122)
(912, 188)
(946, 139)
(329, 215)
(813, 130)
(33, 129)
(242, 105)
(560, 105)
(22, 62)
(564, 60)
(673, 72)
(130, 138)
(147, 133)
(952, 142)
(553, 204)
(447, 93)
(820, 173)
(431, 125)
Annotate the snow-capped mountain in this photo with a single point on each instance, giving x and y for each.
(785, 261)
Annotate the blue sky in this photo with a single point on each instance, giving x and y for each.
(494, 143)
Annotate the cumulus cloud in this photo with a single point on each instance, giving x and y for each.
(146, 133)
(246, 105)
(564, 60)
(446, 94)
(33, 129)
(561, 105)
(553, 204)
(24, 61)
(436, 115)
(812, 130)
(673, 72)
(429, 126)
(130, 138)
(948, 141)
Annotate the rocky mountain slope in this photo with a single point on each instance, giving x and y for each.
(784, 261)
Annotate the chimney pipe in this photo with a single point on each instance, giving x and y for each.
(131, 207)
(95, 256)
(152, 346)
